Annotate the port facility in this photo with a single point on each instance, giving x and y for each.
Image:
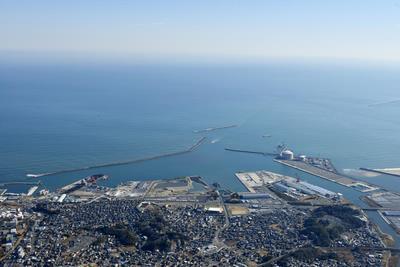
(329, 175)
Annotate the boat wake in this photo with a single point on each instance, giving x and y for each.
(31, 175)
(384, 103)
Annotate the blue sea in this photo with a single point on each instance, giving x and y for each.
(56, 116)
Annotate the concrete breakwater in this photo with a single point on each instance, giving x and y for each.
(252, 152)
(215, 128)
(18, 183)
(384, 171)
(190, 149)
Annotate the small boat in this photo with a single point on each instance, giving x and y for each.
(267, 135)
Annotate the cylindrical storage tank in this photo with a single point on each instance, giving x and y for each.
(287, 155)
(302, 157)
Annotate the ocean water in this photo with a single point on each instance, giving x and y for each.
(58, 116)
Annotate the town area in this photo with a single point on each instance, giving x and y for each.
(279, 221)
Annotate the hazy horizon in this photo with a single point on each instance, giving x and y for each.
(212, 31)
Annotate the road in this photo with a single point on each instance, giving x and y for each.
(15, 245)
(216, 241)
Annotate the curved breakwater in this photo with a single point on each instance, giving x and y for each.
(190, 149)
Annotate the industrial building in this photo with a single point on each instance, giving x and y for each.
(281, 188)
(295, 187)
(214, 210)
(310, 189)
(302, 158)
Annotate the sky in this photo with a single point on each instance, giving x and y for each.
(251, 29)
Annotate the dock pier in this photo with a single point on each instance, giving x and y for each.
(338, 178)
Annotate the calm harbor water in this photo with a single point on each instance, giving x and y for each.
(61, 116)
